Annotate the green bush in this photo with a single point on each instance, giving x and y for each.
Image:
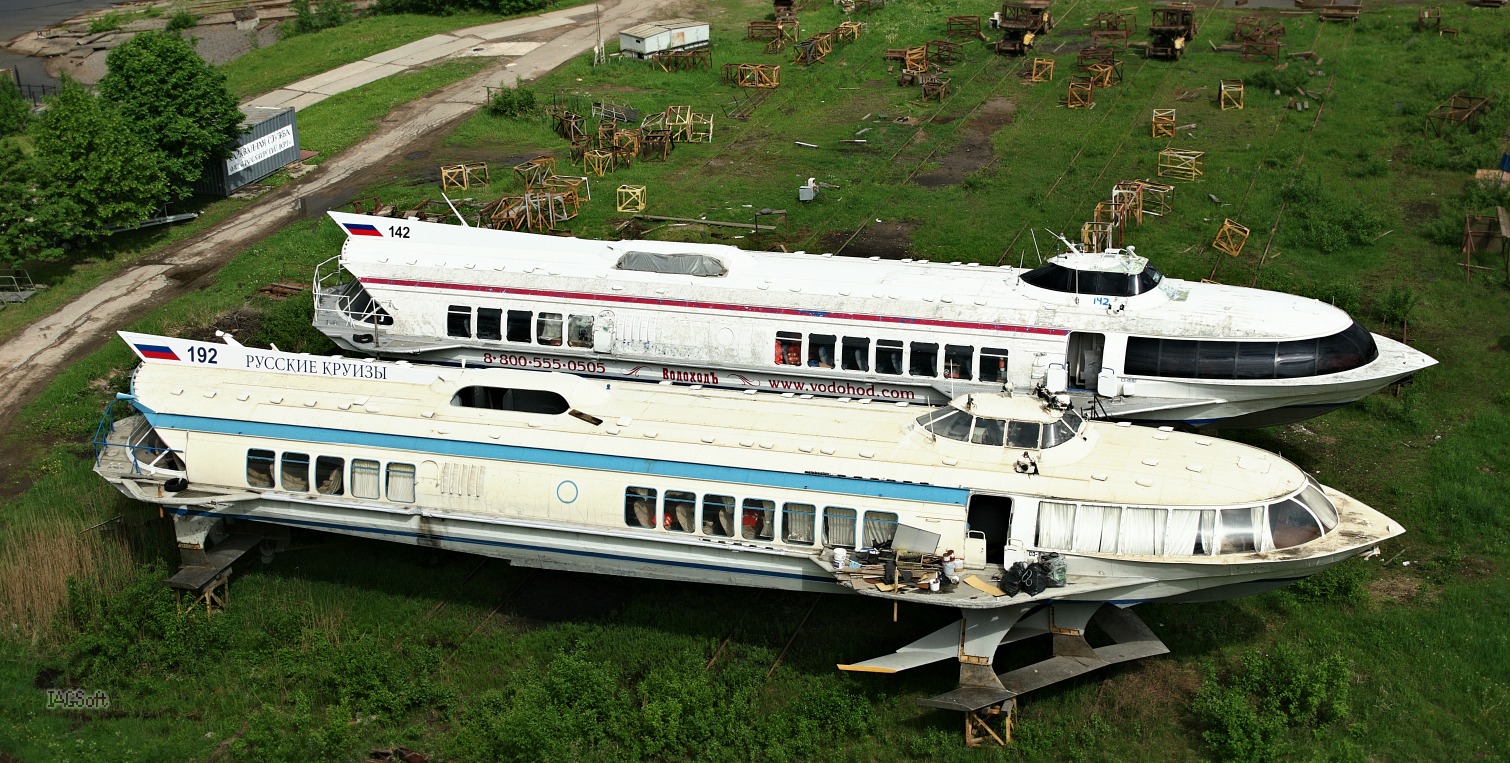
(182, 20)
(295, 736)
(126, 637)
(1250, 713)
(15, 109)
(108, 22)
(286, 324)
(512, 103)
(327, 15)
(1346, 583)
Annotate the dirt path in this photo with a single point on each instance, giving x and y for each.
(30, 360)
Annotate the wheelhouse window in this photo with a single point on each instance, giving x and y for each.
(1022, 434)
(797, 523)
(518, 325)
(855, 354)
(888, 357)
(459, 321)
(639, 507)
(788, 348)
(548, 329)
(1291, 524)
(401, 483)
(366, 479)
(925, 359)
(957, 360)
(1220, 359)
(1110, 283)
(820, 350)
(489, 323)
(1239, 530)
(506, 399)
(989, 432)
(1319, 505)
(579, 331)
(993, 365)
(838, 526)
(259, 468)
(293, 472)
(329, 471)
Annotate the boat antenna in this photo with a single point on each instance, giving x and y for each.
(453, 211)
(1061, 238)
(1036, 253)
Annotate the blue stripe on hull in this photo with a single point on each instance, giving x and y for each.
(547, 550)
(625, 464)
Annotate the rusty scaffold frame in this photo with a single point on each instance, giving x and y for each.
(1163, 123)
(1181, 164)
(464, 175)
(1230, 238)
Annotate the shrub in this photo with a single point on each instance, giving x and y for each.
(108, 22)
(512, 103)
(127, 636)
(182, 20)
(1250, 712)
(1345, 583)
(329, 14)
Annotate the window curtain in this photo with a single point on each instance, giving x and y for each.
(401, 483)
(880, 527)
(797, 522)
(1184, 533)
(1143, 531)
(839, 527)
(1056, 525)
(364, 479)
(1096, 528)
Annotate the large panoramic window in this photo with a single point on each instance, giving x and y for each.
(1221, 359)
(506, 399)
(1056, 277)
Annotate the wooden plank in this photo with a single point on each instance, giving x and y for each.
(975, 582)
(1504, 222)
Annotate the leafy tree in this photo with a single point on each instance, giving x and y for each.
(94, 173)
(179, 105)
(15, 110)
(24, 211)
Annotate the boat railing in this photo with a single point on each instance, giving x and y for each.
(340, 301)
(139, 447)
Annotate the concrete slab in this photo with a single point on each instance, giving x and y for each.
(515, 28)
(418, 46)
(497, 49)
(307, 99)
(439, 51)
(275, 98)
(377, 72)
(320, 81)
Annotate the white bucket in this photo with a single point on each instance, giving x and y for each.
(841, 558)
(951, 568)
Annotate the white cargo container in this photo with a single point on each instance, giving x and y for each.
(656, 36)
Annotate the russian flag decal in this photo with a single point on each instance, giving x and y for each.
(362, 229)
(157, 352)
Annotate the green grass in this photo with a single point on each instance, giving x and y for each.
(503, 663)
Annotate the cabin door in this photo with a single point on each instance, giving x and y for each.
(1084, 359)
(990, 515)
(603, 333)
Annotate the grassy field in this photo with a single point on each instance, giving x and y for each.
(339, 646)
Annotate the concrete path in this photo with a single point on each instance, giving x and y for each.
(31, 359)
(492, 40)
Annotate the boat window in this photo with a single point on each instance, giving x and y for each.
(993, 365)
(579, 331)
(1109, 283)
(989, 432)
(856, 354)
(329, 472)
(1051, 276)
(1190, 532)
(1319, 505)
(401, 483)
(1239, 531)
(957, 362)
(701, 265)
(1096, 528)
(459, 321)
(838, 526)
(788, 348)
(519, 325)
(489, 323)
(366, 478)
(548, 329)
(820, 350)
(718, 515)
(293, 473)
(639, 507)
(797, 522)
(880, 528)
(1072, 420)
(1149, 279)
(1022, 434)
(506, 399)
(1056, 432)
(1143, 531)
(259, 468)
(681, 511)
(1290, 524)
(1056, 525)
(757, 519)
(888, 356)
(359, 305)
(1217, 359)
(953, 425)
(925, 359)
(928, 416)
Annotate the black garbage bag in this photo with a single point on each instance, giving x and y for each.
(1035, 578)
(1011, 580)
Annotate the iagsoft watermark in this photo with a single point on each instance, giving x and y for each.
(77, 699)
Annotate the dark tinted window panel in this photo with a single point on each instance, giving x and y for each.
(459, 321)
(1350, 349)
(489, 323)
(1052, 277)
(925, 359)
(1143, 356)
(888, 356)
(519, 325)
(1215, 359)
(1108, 284)
(1295, 359)
(993, 364)
(1148, 279)
(856, 354)
(1177, 357)
(1255, 360)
